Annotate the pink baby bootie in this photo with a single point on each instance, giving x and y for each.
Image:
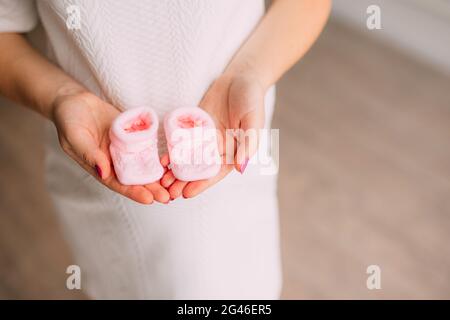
(133, 147)
(192, 143)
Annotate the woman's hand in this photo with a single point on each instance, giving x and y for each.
(83, 121)
(236, 99)
(81, 118)
(234, 102)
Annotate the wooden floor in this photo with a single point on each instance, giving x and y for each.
(364, 179)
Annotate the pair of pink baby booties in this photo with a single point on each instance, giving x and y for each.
(191, 141)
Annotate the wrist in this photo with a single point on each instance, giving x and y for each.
(64, 91)
(246, 70)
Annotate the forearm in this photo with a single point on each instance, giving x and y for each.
(29, 78)
(284, 35)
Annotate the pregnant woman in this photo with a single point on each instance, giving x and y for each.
(86, 61)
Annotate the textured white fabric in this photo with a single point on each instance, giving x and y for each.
(162, 54)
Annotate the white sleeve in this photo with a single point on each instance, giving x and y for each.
(18, 15)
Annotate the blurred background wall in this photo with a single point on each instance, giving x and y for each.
(420, 28)
(364, 124)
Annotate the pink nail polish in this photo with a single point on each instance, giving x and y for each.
(244, 165)
(99, 171)
(133, 147)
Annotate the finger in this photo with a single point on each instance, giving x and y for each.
(136, 193)
(248, 138)
(194, 188)
(226, 145)
(88, 151)
(165, 160)
(159, 193)
(246, 101)
(176, 189)
(101, 163)
(167, 179)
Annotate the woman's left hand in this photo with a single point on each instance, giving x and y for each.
(234, 102)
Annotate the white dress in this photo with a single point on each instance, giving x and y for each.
(163, 54)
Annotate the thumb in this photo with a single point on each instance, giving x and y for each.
(248, 137)
(90, 156)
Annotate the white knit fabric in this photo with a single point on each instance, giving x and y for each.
(162, 54)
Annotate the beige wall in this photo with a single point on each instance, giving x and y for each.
(419, 27)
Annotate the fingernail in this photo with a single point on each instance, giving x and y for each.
(244, 165)
(99, 171)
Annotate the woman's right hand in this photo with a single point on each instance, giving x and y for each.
(83, 120)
